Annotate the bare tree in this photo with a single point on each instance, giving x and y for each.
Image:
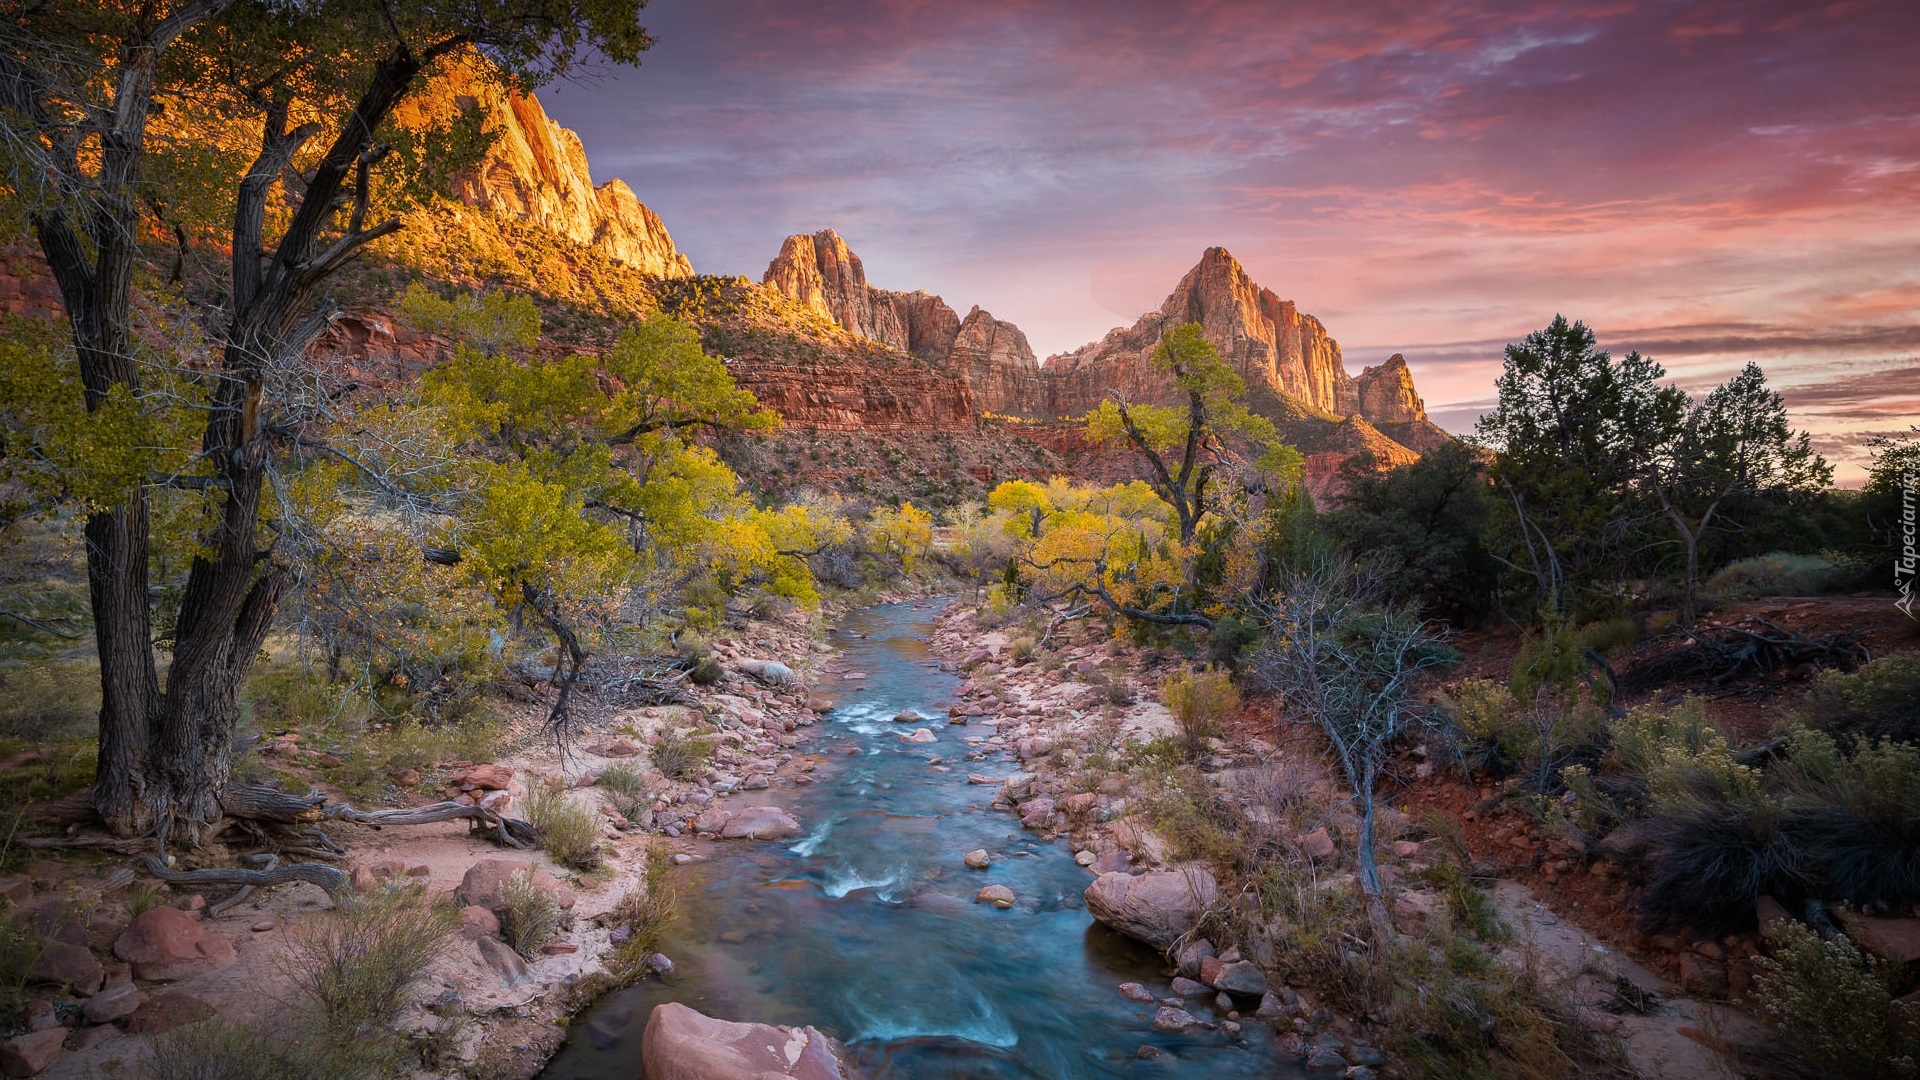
(1340, 659)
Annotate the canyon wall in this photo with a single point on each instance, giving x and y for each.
(536, 171)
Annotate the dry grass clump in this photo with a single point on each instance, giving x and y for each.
(681, 756)
(353, 967)
(570, 832)
(625, 791)
(532, 917)
(645, 912)
(356, 962)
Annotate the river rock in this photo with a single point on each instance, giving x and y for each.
(760, 823)
(1085, 857)
(32, 1053)
(1325, 1057)
(1192, 955)
(1036, 813)
(67, 964)
(907, 716)
(771, 672)
(485, 884)
(1133, 991)
(998, 895)
(919, 735)
(978, 859)
(504, 961)
(1158, 908)
(1241, 977)
(110, 1005)
(711, 820)
(683, 1044)
(981, 779)
(165, 944)
(1172, 1019)
(1186, 988)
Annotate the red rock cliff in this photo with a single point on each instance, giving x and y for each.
(537, 171)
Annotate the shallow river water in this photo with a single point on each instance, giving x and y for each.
(865, 925)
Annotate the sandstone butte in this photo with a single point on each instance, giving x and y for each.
(932, 370)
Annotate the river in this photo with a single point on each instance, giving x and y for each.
(865, 925)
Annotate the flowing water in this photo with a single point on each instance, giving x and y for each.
(865, 926)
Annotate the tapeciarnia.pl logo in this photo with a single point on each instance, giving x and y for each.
(1907, 563)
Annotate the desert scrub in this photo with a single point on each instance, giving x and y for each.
(356, 962)
(1834, 1008)
(531, 916)
(681, 756)
(1881, 700)
(47, 700)
(645, 912)
(1200, 703)
(1777, 573)
(570, 832)
(625, 792)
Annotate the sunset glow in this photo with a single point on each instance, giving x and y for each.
(1709, 182)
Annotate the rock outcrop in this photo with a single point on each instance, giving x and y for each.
(1266, 339)
(821, 272)
(1385, 394)
(537, 171)
(1287, 358)
(681, 1043)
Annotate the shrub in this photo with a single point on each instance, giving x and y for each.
(1548, 659)
(681, 756)
(1880, 700)
(1778, 573)
(1200, 703)
(1834, 1007)
(625, 793)
(1486, 714)
(645, 912)
(290, 1047)
(47, 700)
(531, 917)
(570, 832)
(1609, 635)
(1023, 649)
(1854, 818)
(706, 671)
(356, 962)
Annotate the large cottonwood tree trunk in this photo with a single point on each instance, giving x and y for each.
(166, 749)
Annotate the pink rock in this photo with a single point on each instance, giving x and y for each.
(486, 777)
(167, 1011)
(478, 922)
(1406, 849)
(32, 1053)
(682, 1044)
(485, 884)
(166, 944)
(1318, 845)
(497, 800)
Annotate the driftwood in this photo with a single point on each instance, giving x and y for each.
(1754, 651)
(511, 832)
(330, 878)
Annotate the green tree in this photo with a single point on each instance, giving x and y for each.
(1184, 447)
(578, 489)
(1427, 523)
(276, 120)
(1573, 430)
(1733, 442)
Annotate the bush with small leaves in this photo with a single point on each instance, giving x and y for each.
(1834, 1007)
(1200, 703)
(681, 757)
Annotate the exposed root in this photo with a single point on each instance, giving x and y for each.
(512, 832)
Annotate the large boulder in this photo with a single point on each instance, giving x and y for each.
(67, 964)
(1158, 908)
(485, 884)
(165, 944)
(771, 672)
(760, 823)
(32, 1053)
(683, 1044)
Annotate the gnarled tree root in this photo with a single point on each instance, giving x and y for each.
(511, 832)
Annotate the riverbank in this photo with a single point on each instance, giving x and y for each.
(1082, 710)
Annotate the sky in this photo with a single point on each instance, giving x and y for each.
(1707, 182)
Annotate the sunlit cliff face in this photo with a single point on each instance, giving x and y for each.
(1708, 182)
